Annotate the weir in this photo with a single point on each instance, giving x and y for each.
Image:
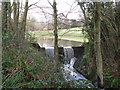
(50, 51)
(68, 52)
(71, 54)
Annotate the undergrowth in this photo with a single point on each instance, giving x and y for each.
(26, 67)
(29, 68)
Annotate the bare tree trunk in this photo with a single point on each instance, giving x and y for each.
(23, 23)
(56, 54)
(9, 15)
(4, 24)
(4, 16)
(18, 12)
(16, 28)
(97, 43)
(15, 16)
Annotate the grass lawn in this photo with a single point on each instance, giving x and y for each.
(73, 34)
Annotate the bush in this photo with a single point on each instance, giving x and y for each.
(23, 67)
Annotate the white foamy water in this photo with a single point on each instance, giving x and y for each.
(68, 52)
(70, 73)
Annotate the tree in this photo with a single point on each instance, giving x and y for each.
(94, 36)
(4, 16)
(16, 6)
(97, 42)
(106, 32)
(9, 15)
(56, 54)
(24, 17)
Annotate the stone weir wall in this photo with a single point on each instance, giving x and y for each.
(78, 52)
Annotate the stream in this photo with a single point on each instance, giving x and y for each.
(69, 72)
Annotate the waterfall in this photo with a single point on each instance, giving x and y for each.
(69, 73)
(68, 52)
(50, 51)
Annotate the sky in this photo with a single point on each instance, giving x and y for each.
(69, 7)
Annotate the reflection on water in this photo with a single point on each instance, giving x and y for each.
(43, 42)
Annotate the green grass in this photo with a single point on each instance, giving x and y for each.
(73, 34)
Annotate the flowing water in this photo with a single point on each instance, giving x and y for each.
(70, 73)
(68, 70)
(50, 51)
(68, 52)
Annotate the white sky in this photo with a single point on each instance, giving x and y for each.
(63, 6)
